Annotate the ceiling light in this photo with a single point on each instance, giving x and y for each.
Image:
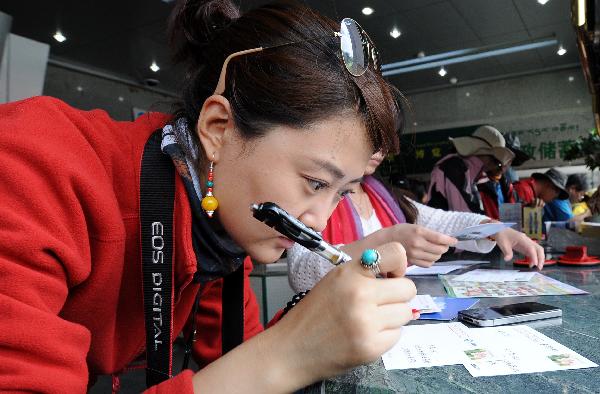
(367, 11)
(580, 12)
(543, 2)
(578, 101)
(154, 67)
(491, 113)
(561, 51)
(453, 80)
(121, 99)
(79, 88)
(415, 124)
(442, 72)
(571, 78)
(58, 36)
(395, 33)
(468, 94)
(420, 54)
(461, 56)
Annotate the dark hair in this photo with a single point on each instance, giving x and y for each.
(578, 181)
(294, 85)
(398, 186)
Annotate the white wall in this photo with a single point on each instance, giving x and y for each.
(23, 68)
(543, 109)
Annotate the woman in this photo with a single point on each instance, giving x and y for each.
(453, 184)
(250, 129)
(371, 216)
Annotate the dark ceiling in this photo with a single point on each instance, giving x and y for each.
(124, 37)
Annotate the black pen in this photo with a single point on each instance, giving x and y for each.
(276, 217)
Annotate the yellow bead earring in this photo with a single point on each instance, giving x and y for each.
(209, 202)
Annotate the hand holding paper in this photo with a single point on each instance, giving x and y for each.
(481, 231)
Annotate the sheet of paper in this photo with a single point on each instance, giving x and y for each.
(483, 275)
(435, 269)
(427, 345)
(518, 349)
(424, 303)
(538, 285)
(462, 262)
(449, 308)
(481, 231)
(489, 351)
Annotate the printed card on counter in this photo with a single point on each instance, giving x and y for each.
(485, 275)
(518, 349)
(435, 269)
(424, 303)
(489, 351)
(481, 231)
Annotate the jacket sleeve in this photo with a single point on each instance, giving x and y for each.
(305, 268)
(42, 257)
(449, 222)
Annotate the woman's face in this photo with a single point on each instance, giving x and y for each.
(306, 172)
(548, 191)
(373, 163)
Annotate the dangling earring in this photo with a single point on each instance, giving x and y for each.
(209, 202)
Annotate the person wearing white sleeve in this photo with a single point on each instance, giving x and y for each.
(371, 216)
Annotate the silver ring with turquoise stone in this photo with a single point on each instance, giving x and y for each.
(370, 260)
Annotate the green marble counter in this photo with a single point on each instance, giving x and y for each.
(579, 330)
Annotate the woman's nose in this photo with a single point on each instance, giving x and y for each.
(316, 216)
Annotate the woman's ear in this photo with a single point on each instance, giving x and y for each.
(214, 124)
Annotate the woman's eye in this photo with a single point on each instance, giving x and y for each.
(316, 185)
(345, 193)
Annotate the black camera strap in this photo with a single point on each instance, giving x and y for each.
(157, 195)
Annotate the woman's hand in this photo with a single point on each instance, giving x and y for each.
(423, 246)
(349, 318)
(509, 240)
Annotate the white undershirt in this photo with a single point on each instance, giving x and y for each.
(370, 225)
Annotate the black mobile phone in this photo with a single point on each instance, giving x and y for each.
(509, 314)
(276, 217)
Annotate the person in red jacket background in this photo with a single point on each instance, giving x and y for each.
(294, 121)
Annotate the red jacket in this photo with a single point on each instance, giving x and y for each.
(525, 191)
(70, 271)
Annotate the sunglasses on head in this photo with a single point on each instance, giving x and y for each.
(356, 46)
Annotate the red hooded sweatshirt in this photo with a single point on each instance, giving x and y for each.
(70, 271)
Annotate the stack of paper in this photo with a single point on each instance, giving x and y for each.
(424, 304)
(481, 231)
(494, 276)
(414, 270)
(504, 284)
(462, 262)
(488, 351)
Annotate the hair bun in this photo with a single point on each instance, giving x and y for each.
(193, 24)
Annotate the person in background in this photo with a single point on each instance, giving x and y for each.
(573, 208)
(577, 186)
(371, 215)
(498, 189)
(514, 144)
(495, 191)
(541, 189)
(453, 184)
